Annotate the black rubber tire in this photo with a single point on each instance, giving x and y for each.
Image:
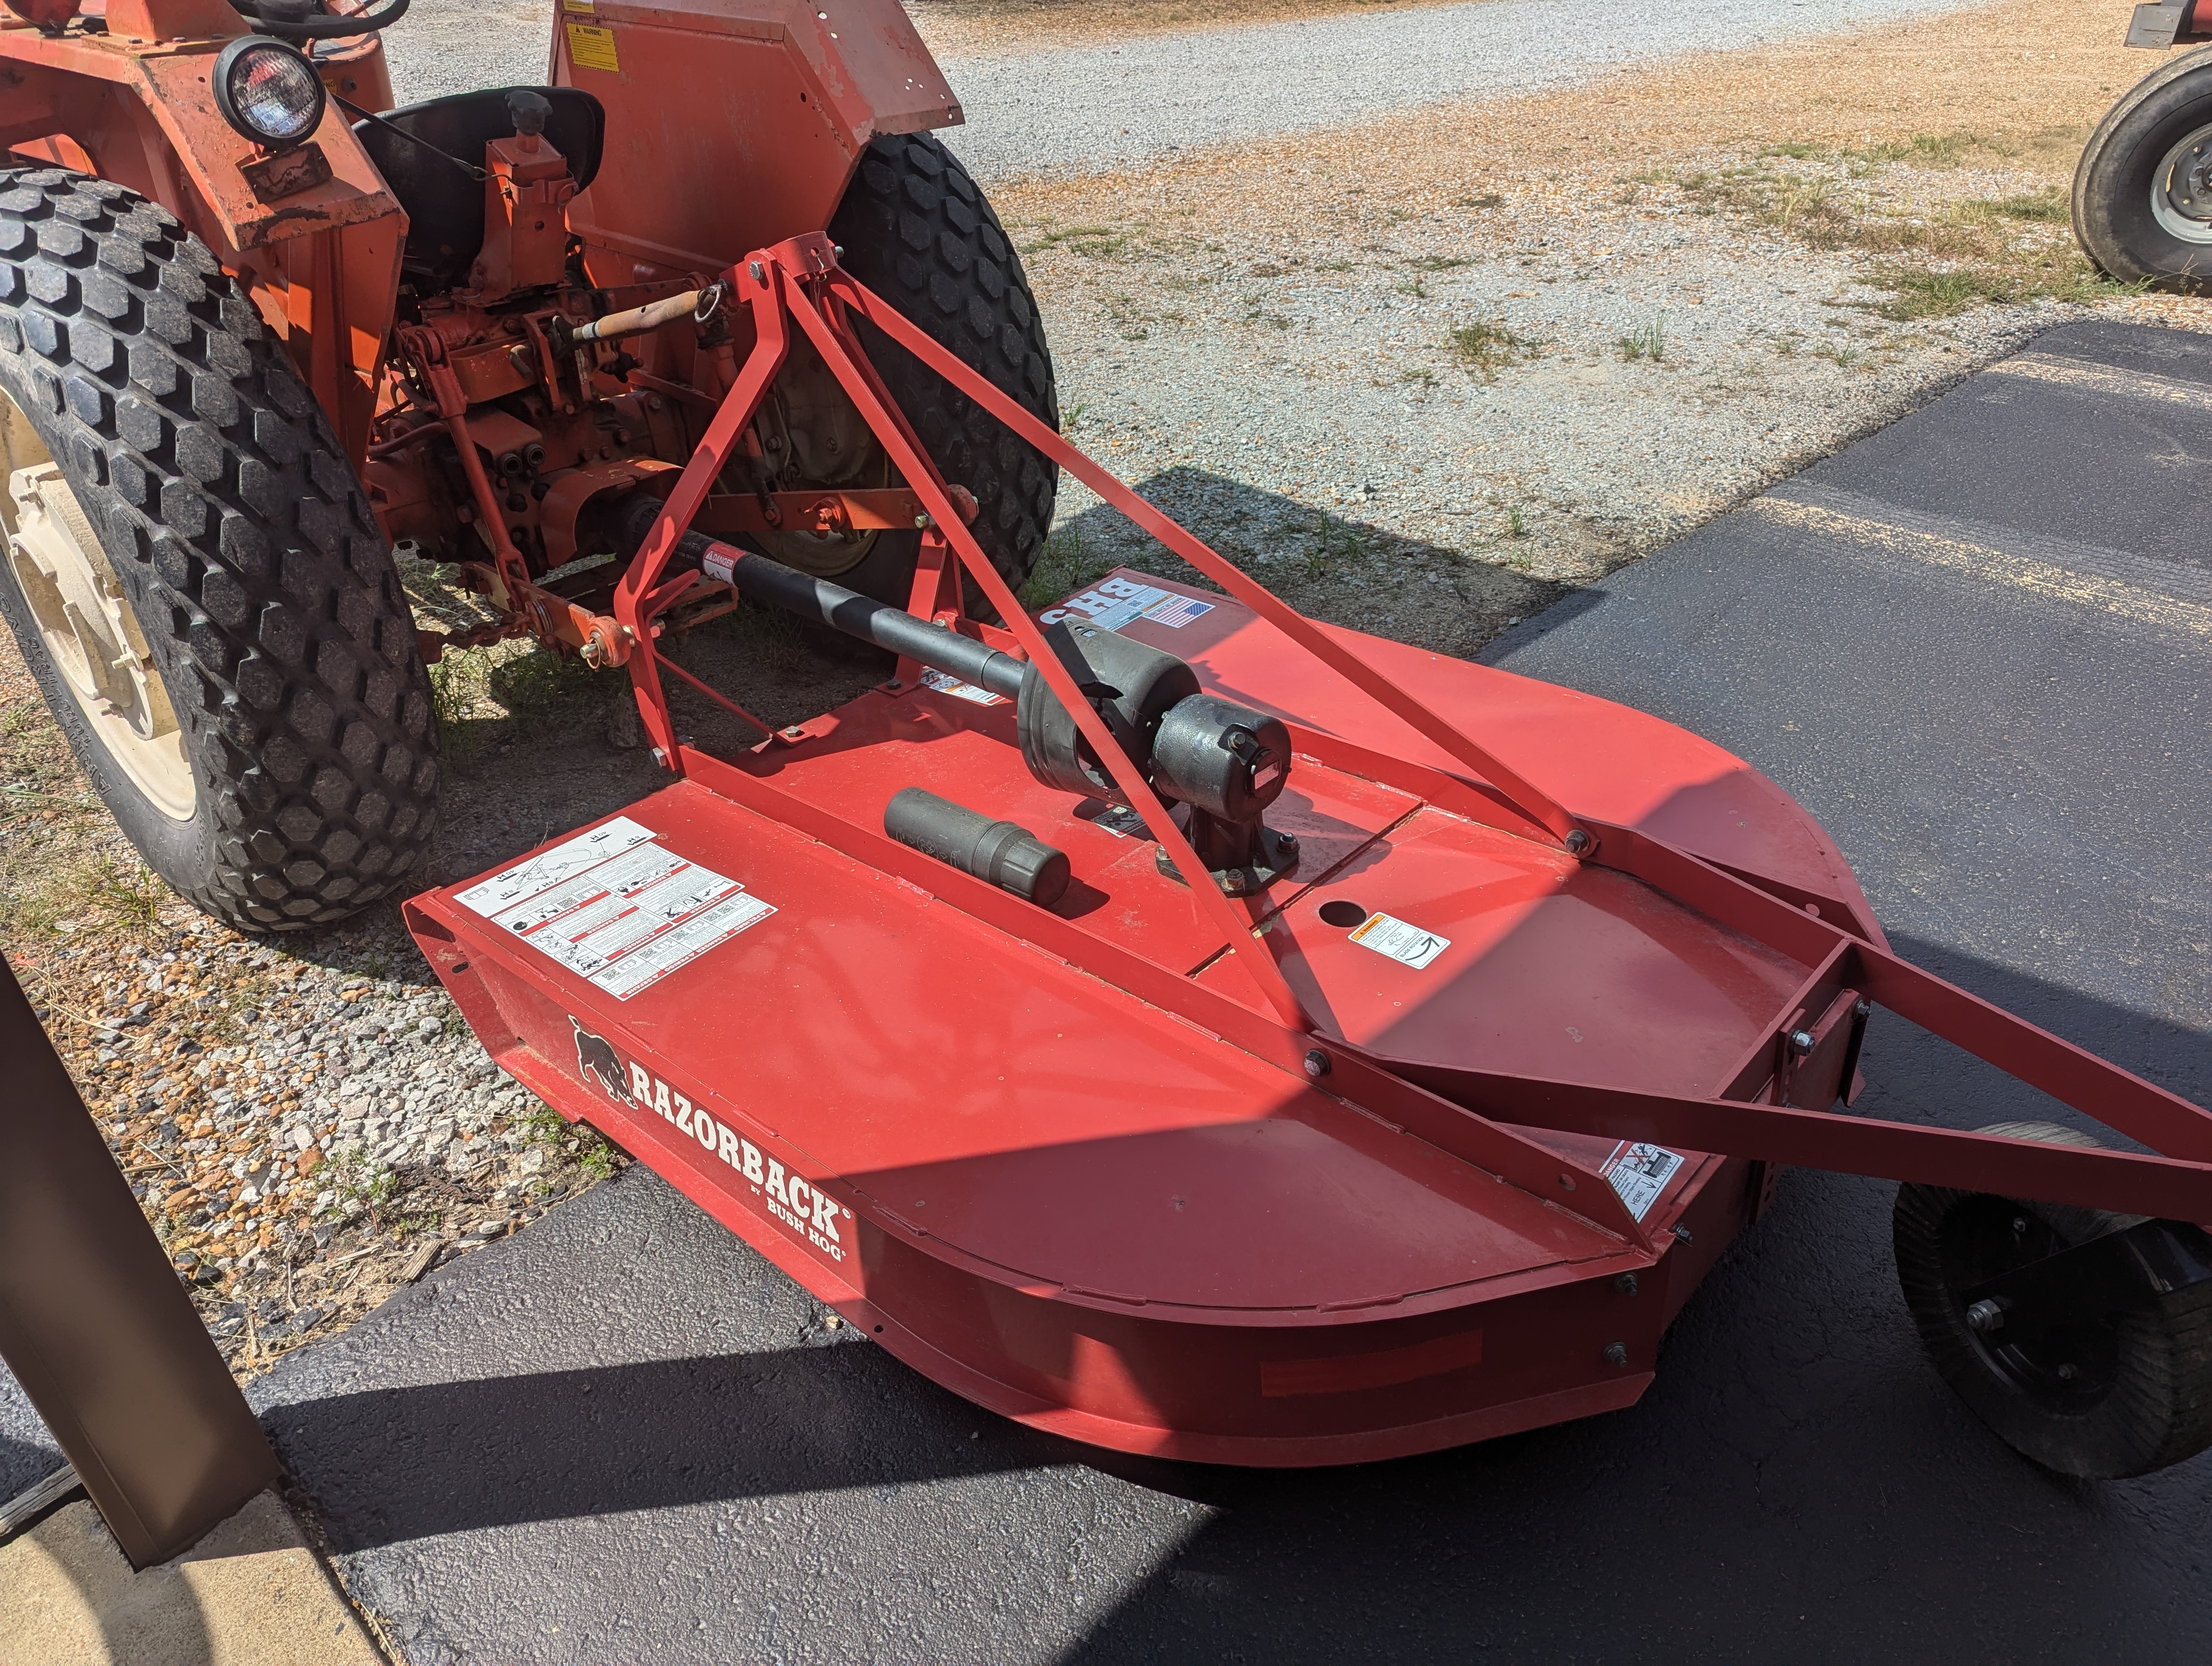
(919, 232)
(2154, 1407)
(244, 545)
(2113, 217)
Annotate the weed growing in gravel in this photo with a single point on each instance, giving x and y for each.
(1488, 199)
(1487, 349)
(1093, 242)
(1412, 286)
(1063, 567)
(1336, 544)
(1131, 322)
(1646, 341)
(1926, 292)
(2048, 207)
(1948, 258)
(1438, 263)
(472, 690)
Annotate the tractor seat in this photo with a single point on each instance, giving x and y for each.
(445, 204)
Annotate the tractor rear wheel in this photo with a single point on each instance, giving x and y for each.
(916, 229)
(2103, 1398)
(192, 572)
(2142, 191)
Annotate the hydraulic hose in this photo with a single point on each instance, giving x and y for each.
(771, 583)
(289, 22)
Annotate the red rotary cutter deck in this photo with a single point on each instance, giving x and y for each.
(1423, 1143)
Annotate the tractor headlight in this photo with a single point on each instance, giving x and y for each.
(267, 91)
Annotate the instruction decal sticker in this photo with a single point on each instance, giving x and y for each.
(1640, 1173)
(796, 1201)
(943, 682)
(614, 908)
(1387, 934)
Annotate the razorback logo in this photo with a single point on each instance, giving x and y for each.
(793, 1198)
(596, 1057)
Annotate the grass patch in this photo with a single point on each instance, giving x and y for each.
(1487, 349)
(1487, 199)
(2047, 207)
(1091, 242)
(1436, 263)
(1935, 263)
(1335, 545)
(1645, 341)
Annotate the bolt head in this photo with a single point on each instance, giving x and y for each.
(1616, 1355)
(1577, 841)
(1317, 1064)
(1801, 1041)
(1985, 1317)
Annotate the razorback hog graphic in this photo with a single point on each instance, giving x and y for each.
(595, 1057)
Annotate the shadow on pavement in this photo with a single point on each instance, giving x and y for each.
(607, 1440)
(1796, 1460)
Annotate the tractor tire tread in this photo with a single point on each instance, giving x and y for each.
(244, 544)
(918, 231)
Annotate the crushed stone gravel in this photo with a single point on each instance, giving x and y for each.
(1111, 105)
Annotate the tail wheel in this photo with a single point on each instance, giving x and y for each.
(2142, 191)
(917, 230)
(2104, 1396)
(193, 571)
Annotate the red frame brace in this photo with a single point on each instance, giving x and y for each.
(1475, 1115)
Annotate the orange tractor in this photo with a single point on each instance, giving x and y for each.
(256, 326)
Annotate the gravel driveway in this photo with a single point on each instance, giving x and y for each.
(1110, 105)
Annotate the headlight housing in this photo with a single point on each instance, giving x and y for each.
(267, 91)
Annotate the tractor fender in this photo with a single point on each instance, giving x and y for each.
(124, 101)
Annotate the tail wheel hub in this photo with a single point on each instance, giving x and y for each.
(2181, 189)
(89, 629)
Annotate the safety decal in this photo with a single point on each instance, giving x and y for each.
(1117, 602)
(944, 683)
(1122, 822)
(1388, 935)
(592, 48)
(1640, 1173)
(615, 908)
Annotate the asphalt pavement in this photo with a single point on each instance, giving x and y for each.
(1976, 645)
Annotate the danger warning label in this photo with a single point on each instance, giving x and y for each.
(1640, 1173)
(1387, 934)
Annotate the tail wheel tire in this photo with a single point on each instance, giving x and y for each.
(2105, 1398)
(2142, 191)
(917, 230)
(193, 573)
